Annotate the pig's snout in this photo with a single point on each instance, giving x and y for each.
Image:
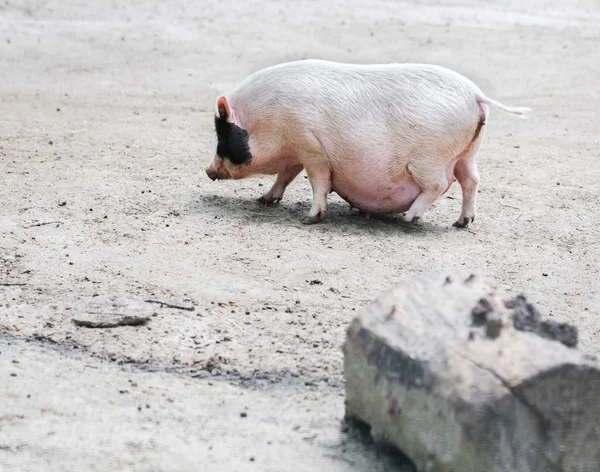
(212, 173)
(217, 170)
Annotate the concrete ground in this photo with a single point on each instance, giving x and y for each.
(105, 129)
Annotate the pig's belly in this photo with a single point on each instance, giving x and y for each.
(376, 196)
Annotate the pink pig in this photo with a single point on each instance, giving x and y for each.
(388, 139)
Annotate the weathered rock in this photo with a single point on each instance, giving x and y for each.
(110, 321)
(437, 368)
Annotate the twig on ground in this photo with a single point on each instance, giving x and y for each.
(3, 284)
(169, 305)
(231, 321)
(508, 206)
(269, 249)
(45, 223)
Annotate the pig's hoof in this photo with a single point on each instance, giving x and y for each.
(464, 223)
(410, 219)
(268, 201)
(311, 220)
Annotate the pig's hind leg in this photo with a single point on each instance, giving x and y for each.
(467, 175)
(433, 181)
(283, 180)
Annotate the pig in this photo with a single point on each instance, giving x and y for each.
(388, 139)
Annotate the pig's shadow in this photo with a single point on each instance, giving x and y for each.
(340, 218)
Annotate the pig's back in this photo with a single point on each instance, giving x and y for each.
(323, 85)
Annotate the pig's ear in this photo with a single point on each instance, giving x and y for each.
(223, 108)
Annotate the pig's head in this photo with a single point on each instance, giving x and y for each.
(232, 159)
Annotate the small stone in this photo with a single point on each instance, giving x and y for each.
(493, 326)
(480, 312)
(110, 321)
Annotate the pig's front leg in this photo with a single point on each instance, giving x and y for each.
(283, 180)
(320, 181)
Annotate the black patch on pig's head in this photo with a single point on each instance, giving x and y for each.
(232, 142)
